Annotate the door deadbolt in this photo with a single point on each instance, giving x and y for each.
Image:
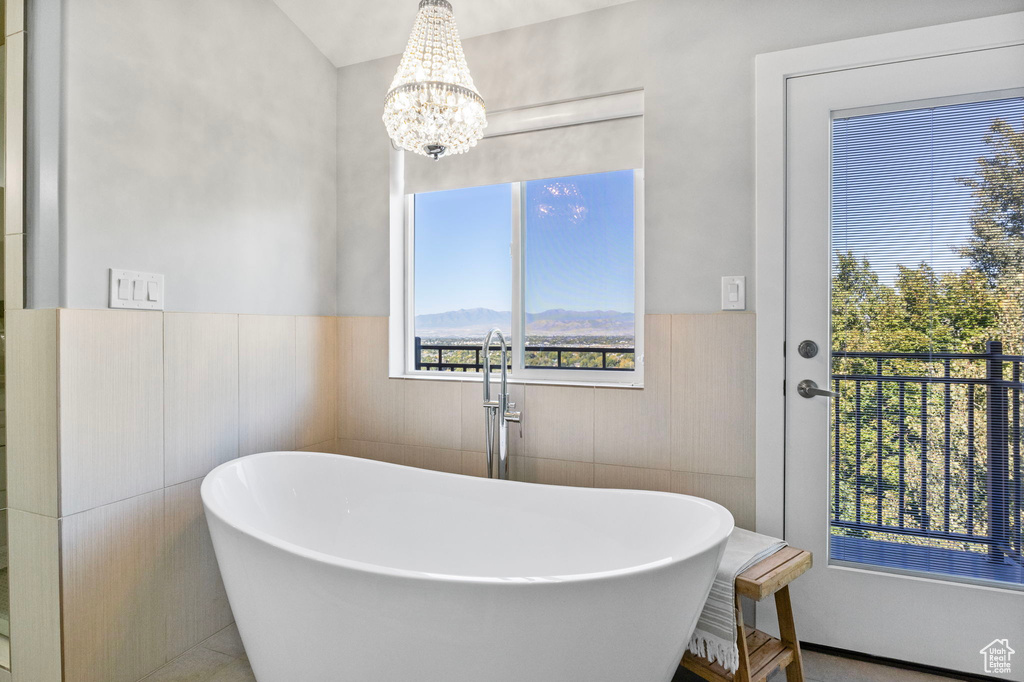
(807, 349)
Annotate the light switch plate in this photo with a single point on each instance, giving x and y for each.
(125, 283)
(734, 293)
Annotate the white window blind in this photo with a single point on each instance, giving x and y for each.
(927, 230)
(616, 144)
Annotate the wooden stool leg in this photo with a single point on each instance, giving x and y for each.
(795, 670)
(742, 672)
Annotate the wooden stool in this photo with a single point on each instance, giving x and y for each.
(762, 654)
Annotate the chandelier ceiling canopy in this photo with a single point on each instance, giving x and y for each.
(433, 108)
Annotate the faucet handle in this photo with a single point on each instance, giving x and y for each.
(513, 416)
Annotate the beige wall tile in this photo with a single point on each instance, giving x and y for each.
(316, 379)
(111, 406)
(35, 597)
(267, 416)
(370, 405)
(114, 587)
(381, 452)
(197, 603)
(579, 474)
(632, 478)
(200, 394)
(734, 493)
(560, 422)
(634, 427)
(517, 469)
(473, 416)
(713, 393)
(14, 271)
(32, 411)
(14, 20)
(328, 446)
(475, 464)
(436, 459)
(433, 414)
(552, 471)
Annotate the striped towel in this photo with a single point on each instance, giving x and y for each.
(715, 636)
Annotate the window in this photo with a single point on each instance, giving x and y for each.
(554, 264)
(928, 340)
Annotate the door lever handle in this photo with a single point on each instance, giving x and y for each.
(808, 389)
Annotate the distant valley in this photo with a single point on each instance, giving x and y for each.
(477, 321)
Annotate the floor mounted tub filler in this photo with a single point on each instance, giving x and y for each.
(339, 568)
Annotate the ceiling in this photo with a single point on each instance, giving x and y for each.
(353, 31)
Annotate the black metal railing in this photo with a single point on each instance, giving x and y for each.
(432, 356)
(928, 445)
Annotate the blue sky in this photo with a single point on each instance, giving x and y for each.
(579, 245)
(462, 249)
(895, 199)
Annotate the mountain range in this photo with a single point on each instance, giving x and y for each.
(557, 322)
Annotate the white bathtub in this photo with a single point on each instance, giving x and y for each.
(345, 569)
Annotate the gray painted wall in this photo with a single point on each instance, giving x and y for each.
(695, 59)
(198, 142)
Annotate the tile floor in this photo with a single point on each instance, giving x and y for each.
(222, 659)
(820, 667)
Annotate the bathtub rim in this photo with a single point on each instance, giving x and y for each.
(721, 513)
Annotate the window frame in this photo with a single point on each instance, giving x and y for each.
(404, 337)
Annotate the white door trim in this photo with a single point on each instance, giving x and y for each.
(772, 70)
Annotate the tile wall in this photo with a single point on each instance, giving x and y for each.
(130, 410)
(690, 430)
(124, 414)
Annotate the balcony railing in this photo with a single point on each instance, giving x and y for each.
(438, 357)
(927, 451)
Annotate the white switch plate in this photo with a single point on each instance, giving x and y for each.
(734, 293)
(124, 284)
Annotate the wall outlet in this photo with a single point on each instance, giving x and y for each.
(136, 290)
(734, 293)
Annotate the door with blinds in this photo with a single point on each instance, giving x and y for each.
(905, 346)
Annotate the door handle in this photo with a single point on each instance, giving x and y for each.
(808, 389)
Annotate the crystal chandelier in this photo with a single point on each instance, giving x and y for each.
(433, 107)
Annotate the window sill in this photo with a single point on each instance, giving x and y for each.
(478, 378)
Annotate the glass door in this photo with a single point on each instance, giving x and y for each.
(927, 306)
(905, 259)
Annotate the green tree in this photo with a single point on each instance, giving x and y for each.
(970, 309)
(997, 220)
(858, 301)
(921, 311)
(957, 311)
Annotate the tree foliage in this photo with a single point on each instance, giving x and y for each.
(997, 221)
(889, 433)
(921, 312)
(954, 311)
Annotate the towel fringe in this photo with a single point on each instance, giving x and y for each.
(715, 649)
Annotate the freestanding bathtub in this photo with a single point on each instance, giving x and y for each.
(341, 569)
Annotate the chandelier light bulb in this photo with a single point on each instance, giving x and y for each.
(432, 107)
